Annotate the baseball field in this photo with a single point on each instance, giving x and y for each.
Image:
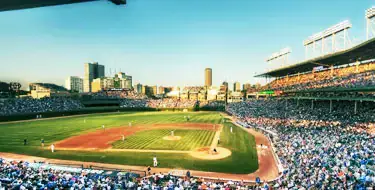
(193, 140)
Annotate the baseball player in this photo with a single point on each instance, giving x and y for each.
(231, 129)
(218, 140)
(123, 138)
(130, 124)
(52, 148)
(155, 161)
(103, 127)
(42, 142)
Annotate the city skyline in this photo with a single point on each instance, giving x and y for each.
(142, 39)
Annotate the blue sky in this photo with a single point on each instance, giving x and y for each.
(165, 42)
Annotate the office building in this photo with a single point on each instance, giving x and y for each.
(139, 88)
(74, 83)
(208, 77)
(225, 86)
(246, 86)
(126, 79)
(92, 71)
(150, 90)
(111, 83)
(236, 87)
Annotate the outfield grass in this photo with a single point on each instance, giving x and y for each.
(242, 145)
(153, 140)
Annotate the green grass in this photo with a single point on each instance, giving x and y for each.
(242, 145)
(153, 140)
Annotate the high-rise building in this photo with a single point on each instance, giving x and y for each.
(127, 80)
(139, 88)
(208, 77)
(236, 87)
(226, 85)
(92, 71)
(154, 89)
(150, 90)
(74, 84)
(107, 83)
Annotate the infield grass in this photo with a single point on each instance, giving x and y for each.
(243, 158)
(153, 140)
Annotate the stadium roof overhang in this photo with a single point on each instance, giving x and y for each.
(360, 52)
(7, 5)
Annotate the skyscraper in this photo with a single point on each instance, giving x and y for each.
(208, 77)
(236, 87)
(139, 88)
(225, 83)
(92, 71)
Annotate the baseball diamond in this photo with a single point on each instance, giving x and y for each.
(83, 138)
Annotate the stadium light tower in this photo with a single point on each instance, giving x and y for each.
(332, 39)
(370, 23)
(280, 58)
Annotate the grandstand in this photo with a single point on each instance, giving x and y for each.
(342, 75)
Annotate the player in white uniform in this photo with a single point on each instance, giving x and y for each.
(52, 148)
(155, 161)
(231, 129)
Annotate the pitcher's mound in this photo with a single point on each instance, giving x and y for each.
(172, 138)
(206, 154)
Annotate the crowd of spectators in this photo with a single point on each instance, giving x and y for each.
(349, 76)
(157, 103)
(30, 105)
(133, 103)
(212, 105)
(23, 175)
(171, 103)
(116, 94)
(316, 148)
